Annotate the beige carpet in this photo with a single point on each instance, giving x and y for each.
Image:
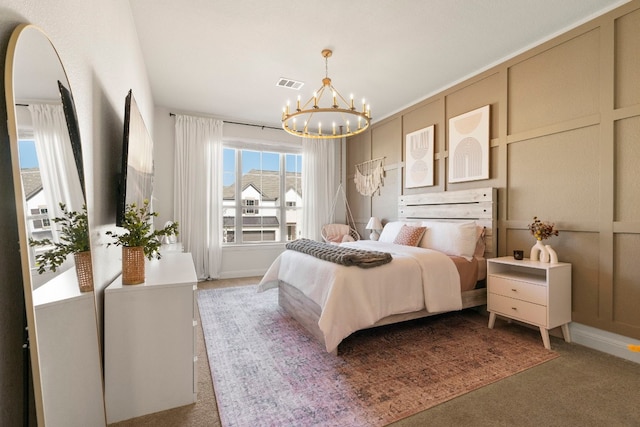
(583, 387)
(267, 370)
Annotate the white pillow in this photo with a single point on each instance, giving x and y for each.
(452, 238)
(390, 231)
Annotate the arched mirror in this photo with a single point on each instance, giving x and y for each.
(53, 228)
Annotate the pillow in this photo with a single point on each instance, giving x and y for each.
(390, 231)
(349, 238)
(452, 238)
(409, 235)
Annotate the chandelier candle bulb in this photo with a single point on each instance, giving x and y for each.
(364, 106)
(335, 103)
(298, 104)
(352, 107)
(315, 100)
(348, 130)
(319, 128)
(334, 128)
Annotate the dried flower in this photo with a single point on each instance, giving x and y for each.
(542, 230)
(635, 348)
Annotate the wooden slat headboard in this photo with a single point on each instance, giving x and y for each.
(478, 204)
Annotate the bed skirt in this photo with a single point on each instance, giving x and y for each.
(307, 312)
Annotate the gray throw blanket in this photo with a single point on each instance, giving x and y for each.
(339, 254)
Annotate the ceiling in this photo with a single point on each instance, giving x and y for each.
(223, 58)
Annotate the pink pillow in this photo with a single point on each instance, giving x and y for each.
(409, 235)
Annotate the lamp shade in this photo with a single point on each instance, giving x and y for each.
(374, 224)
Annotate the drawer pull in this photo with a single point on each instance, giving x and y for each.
(514, 290)
(514, 309)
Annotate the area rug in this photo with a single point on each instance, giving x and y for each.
(268, 371)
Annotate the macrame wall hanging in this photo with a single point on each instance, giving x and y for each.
(369, 176)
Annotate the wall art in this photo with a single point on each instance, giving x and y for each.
(418, 170)
(469, 146)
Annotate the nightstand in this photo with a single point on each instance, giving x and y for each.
(533, 292)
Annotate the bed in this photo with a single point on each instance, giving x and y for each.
(443, 272)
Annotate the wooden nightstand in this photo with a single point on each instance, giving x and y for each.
(533, 292)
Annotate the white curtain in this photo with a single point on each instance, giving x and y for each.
(198, 191)
(60, 179)
(318, 185)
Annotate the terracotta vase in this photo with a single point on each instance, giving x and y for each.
(132, 265)
(84, 270)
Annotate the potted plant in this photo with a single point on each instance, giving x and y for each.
(73, 239)
(139, 241)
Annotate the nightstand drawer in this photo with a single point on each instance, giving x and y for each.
(517, 309)
(524, 291)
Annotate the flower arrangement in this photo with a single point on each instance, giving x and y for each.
(137, 222)
(634, 347)
(74, 238)
(542, 230)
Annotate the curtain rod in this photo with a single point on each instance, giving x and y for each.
(243, 124)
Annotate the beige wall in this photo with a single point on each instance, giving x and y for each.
(565, 145)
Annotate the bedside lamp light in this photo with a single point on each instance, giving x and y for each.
(374, 225)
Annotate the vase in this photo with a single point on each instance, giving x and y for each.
(132, 265)
(539, 252)
(84, 270)
(553, 256)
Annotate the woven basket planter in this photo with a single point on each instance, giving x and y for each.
(132, 265)
(84, 270)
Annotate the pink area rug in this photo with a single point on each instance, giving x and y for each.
(268, 371)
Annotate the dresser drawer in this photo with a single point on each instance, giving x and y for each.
(517, 309)
(524, 291)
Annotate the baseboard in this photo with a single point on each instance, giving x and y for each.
(604, 341)
(258, 272)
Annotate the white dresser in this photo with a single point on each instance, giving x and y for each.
(533, 292)
(150, 340)
(69, 353)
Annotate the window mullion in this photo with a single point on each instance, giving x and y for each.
(238, 197)
(282, 215)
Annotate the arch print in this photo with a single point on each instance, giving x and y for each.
(469, 146)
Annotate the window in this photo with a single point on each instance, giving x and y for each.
(248, 210)
(262, 195)
(40, 217)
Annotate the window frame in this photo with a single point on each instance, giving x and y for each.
(282, 208)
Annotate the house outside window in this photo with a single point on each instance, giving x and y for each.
(249, 207)
(262, 196)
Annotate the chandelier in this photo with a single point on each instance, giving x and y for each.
(327, 114)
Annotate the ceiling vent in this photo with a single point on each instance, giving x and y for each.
(288, 83)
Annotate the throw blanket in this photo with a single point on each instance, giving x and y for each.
(340, 254)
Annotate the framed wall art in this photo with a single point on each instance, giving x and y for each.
(418, 170)
(469, 146)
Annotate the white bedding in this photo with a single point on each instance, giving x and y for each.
(353, 298)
